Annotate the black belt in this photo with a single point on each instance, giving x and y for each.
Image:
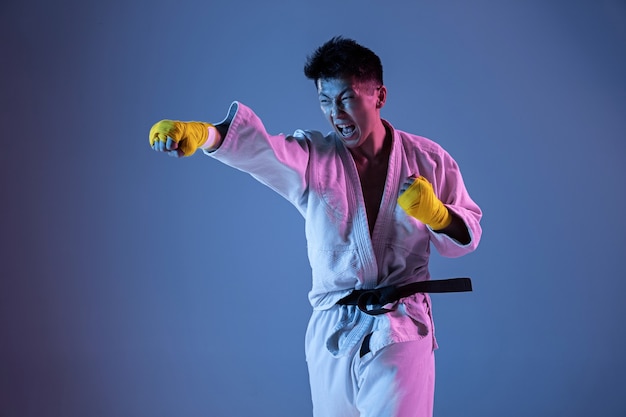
(379, 297)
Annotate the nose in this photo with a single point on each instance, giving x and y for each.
(335, 108)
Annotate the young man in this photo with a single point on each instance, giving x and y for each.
(374, 199)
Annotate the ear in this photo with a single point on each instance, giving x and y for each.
(382, 97)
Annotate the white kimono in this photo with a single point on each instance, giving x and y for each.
(317, 174)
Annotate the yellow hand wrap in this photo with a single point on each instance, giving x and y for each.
(420, 201)
(188, 135)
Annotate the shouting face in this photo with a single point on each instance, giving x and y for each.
(352, 107)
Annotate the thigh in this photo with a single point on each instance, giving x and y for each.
(332, 379)
(398, 381)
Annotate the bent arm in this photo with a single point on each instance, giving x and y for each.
(457, 230)
(464, 232)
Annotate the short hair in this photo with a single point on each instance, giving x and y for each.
(342, 57)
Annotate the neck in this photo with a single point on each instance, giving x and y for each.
(375, 146)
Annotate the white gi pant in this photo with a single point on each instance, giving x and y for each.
(395, 381)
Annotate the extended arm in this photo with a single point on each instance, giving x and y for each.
(241, 141)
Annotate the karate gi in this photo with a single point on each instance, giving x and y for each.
(317, 174)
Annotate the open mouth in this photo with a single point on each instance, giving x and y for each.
(346, 130)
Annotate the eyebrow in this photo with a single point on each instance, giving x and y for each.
(340, 93)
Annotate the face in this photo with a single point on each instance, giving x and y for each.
(352, 107)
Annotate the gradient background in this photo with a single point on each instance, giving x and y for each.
(133, 284)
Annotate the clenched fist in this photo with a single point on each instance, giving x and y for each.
(179, 138)
(419, 200)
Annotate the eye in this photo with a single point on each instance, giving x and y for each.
(347, 98)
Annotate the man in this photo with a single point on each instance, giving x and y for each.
(374, 199)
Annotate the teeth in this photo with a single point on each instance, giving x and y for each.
(346, 130)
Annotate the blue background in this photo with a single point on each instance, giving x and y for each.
(133, 284)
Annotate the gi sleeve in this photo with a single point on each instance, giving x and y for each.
(451, 190)
(279, 161)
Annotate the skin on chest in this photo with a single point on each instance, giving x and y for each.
(372, 169)
(373, 178)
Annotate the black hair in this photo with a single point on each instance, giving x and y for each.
(341, 57)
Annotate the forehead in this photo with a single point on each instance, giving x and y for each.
(335, 86)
